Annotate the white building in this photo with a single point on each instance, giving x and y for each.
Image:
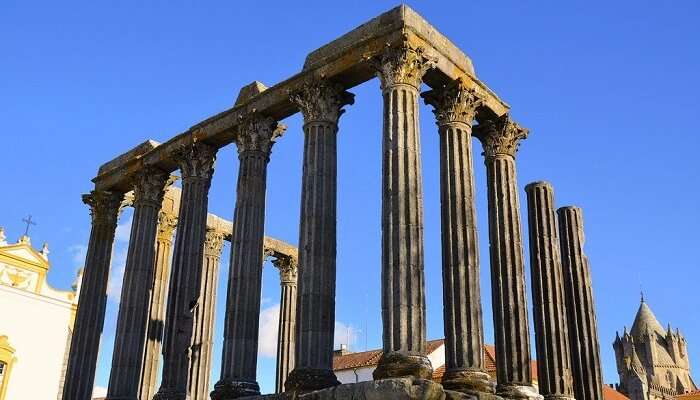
(36, 321)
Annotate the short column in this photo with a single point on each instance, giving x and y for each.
(196, 162)
(400, 70)
(578, 293)
(132, 321)
(288, 313)
(204, 317)
(549, 310)
(256, 135)
(321, 104)
(89, 319)
(454, 108)
(156, 321)
(500, 138)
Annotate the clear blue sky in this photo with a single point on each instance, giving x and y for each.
(608, 89)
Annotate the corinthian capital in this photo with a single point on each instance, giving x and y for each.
(167, 223)
(453, 102)
(196, 161)
(402, 64)
(288, 269)
(149, 186)
(322, 101)
(213, 243)
(500, 136)
(104, 206)
(258, 133)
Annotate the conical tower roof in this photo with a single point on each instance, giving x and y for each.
(645, 321)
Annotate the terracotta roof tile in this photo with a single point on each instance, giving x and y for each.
(355, 360)
(612, 394)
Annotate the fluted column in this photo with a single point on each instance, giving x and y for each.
(89, 319)
(132, 321)
(321, 104)
(256, 135)
(400, 70)
(156, 321)
(454, 108)
(500, 138)
(287, 323)
(578, 293)
(204, 316)
(551, 331)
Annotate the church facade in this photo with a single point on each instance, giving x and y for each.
(652, 361)
(36, 321)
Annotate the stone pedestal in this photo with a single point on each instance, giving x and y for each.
(286, 339)
(400, 70)
(551, 331)
(132, 321)
(204, 317)
(500, 138)
(321, 104)
(578, 293)
(256, 135)
(89, 319)
(455, 107)
(196, 162)
(156, 321)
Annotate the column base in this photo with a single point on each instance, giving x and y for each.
(169, 394)
(310, 379)
(468, 381)
(397, 364)
(518, 392)
(231, 389)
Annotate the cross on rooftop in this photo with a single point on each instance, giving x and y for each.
(29, 222)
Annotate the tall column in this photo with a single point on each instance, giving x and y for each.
(287, 324)
(196, 162)
(255, 138)
(89, 319)
(204, 317)
(551, 331)
(156, 321)
(578, 293)
(321, 104)
(132, 321)
(455, 107)
(500, 138)
(400, 70)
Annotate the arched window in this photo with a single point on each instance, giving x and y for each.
(7, 358)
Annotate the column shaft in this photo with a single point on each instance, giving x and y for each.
(156, 321)
(578, 294)
(238, 367)
(204, 317)
(196, 163)
(551, 332)
(89, 320)
(132, 321)
(286, 339)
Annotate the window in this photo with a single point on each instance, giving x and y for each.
(6, 359)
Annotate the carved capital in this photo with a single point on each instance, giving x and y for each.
(104, 206)
(213, 243)
(258, 133)
(453, 103)
(288, 269)
(402, 64)
(500, 136)
(322, 101)
(149, 186)
(167, 223)
(196, 161)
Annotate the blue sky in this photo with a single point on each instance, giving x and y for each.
(608, 89)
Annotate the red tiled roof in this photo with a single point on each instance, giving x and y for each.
(695, 394)
(612, 394)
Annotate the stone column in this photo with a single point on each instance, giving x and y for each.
(455, 107)
(256, 135)
(196, 162)
(578, 294)
(204, 317)
(132, 321)
(321, 104)
(500, 138)
(551, 332)
(89, 319)
(156, 322)
(287, 323)
(400, 70)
